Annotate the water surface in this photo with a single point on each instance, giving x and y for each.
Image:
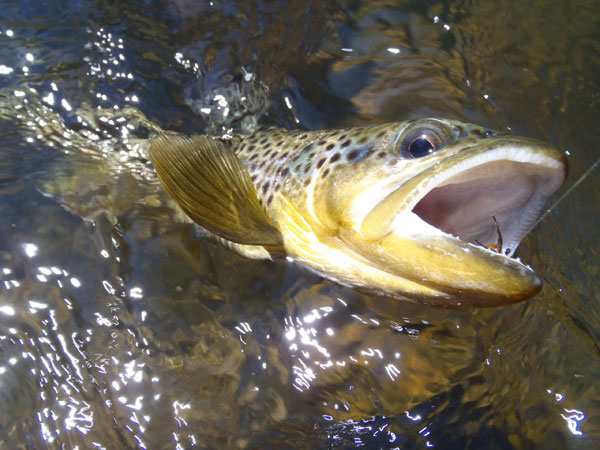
(122, 327)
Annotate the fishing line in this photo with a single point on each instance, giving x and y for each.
(564, 195)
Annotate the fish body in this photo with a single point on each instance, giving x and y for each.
(412, 209)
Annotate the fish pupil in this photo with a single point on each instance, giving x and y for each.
(420, 147)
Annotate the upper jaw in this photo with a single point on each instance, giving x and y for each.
(485, 194)
(491, 197)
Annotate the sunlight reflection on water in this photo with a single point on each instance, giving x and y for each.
(121, 327)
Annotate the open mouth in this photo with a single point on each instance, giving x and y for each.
(492, 203)
(449, 231)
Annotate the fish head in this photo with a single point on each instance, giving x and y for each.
(431, 209)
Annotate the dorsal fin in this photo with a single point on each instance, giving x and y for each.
(213, 187)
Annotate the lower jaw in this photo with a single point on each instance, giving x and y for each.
(451, 270)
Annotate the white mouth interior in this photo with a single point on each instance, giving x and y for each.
(493, 203)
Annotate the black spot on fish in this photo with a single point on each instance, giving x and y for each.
(251, 148)
(284, 155)
(307, 182)
(263, 141)
(335, 157)
(346, 143)
(321, 143)
(325, 173)
(330, 146)
(358, 154)
(342, 137)
(307, 168)
(285, 171)
(270, 199)
(353, 154)
(320, 163)
(265, 187)
(380, 134)
(380, 155)
(363, 140)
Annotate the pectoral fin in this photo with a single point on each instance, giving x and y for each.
(213, 187)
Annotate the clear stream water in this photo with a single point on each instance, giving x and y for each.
(121, 327)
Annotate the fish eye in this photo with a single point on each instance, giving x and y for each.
(421, 142)
(420, 147)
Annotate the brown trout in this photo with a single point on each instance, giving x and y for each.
(429, 210)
